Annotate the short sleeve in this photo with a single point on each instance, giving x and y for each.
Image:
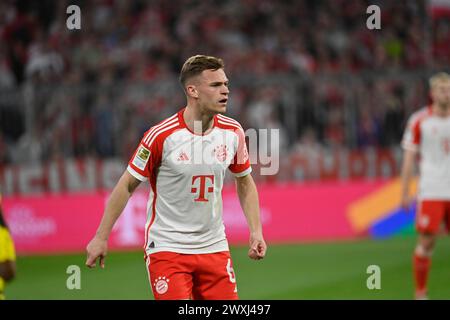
(144, 159)
(240, 166)
(411, 137)
(7, 251)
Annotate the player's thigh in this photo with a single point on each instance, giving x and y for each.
(426, 243)
(214, 278)
(170, 275)
(430, 214)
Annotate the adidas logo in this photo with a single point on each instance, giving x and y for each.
(183, 157)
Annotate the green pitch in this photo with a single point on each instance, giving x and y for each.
(296, 271)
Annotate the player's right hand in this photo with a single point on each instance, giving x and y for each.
(96, 249)
(405, 203)
(258, 246)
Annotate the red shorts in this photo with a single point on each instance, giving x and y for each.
(192, 276)
(430, 215)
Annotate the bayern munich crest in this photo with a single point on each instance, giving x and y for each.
(161, 285)
(221, 152)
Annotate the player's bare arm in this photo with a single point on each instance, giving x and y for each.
(406, 173)
(98, 246)
(248, 197)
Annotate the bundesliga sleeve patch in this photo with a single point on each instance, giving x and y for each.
(141, 158)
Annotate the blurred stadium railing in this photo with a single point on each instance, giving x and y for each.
(331, 126)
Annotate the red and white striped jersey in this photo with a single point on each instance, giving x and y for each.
(186, 173)
(429, 135)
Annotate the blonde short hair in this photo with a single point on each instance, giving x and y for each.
(439, 77)
(197, 64)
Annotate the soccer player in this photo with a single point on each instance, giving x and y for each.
(7, 254)
(428, 134)
(185, 158)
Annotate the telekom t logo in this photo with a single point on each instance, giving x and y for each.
(201, 195)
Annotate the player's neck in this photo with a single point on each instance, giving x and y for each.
(192, 117)
(441, 111)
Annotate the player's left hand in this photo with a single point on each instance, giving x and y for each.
(258, 246)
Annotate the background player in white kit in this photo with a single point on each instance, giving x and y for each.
(428, 133)
(186, 249)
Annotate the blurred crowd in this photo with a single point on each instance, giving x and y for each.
(308, 67)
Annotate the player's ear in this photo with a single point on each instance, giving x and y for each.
(191, 91)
